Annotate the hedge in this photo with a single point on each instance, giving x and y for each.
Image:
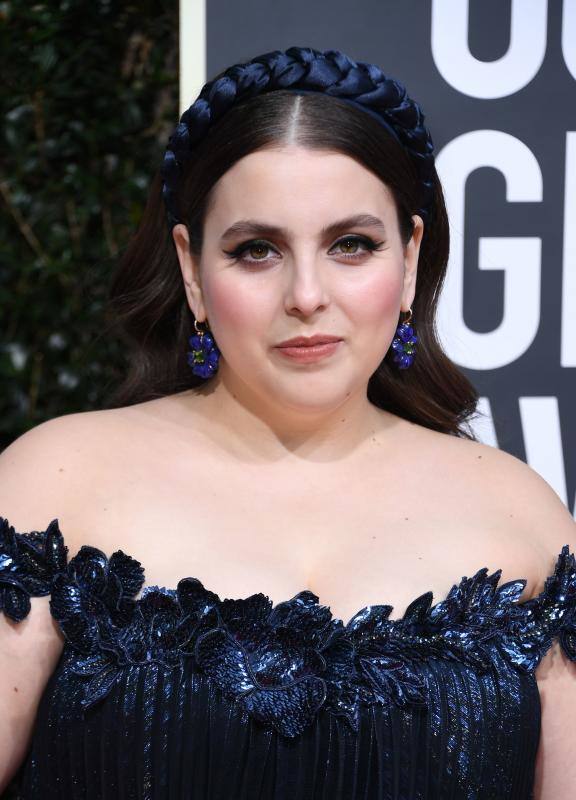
(90, 94)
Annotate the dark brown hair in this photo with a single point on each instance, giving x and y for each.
(147, 302)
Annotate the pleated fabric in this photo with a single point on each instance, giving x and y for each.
(171, 734)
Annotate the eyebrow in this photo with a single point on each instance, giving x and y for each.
(253, 226)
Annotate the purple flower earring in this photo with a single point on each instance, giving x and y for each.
(204, 356)
(403, 343)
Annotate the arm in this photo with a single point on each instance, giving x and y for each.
(548, 522)
(29, 652)
(37, 485)
(555, 775)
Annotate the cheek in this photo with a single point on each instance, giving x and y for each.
(375, 304)
(234, 308)
(241, 311)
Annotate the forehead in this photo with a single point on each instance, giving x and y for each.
(297, 183)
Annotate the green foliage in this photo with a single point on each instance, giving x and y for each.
(90, 94)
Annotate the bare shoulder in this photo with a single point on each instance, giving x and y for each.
(512, 486)
(45, 472)
(538, 508)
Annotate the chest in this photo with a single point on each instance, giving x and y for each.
(354, 538)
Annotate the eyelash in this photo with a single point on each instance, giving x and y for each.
(366, 241)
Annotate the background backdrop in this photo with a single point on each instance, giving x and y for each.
(497, 82)
(88, 96)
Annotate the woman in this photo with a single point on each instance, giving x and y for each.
(302, 202)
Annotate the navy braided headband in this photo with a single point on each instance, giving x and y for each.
(302, 70)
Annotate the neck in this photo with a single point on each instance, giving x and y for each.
(256, 429)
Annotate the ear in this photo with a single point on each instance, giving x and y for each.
(190, 269)
(411, 253)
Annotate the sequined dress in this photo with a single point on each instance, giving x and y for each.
(181, 695)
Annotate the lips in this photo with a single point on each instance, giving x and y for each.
(309, 341)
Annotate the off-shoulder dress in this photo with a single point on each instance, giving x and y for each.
(180, 695)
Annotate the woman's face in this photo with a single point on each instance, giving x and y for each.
(282, 257)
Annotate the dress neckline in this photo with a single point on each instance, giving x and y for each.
(286, 660)
(469, 591)
(481, 581)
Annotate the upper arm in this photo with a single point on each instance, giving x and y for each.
(39, 482)
(550, 525)
(555, 777)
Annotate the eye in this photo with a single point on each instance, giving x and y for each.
(258, 248)
(255, 247)
(365, 242)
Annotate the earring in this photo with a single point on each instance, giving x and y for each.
(204, 356)
(403, 343)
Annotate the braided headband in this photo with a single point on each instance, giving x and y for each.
(303, 70)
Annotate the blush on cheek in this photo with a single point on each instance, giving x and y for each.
(378, 301)
(236, 315)
(224, 303)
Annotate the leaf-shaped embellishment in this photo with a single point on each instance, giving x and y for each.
(194, 599)
(224, 660)
(26, 567)
(66, 598)
(568, 640)
(112, 594)
(31, 560)
(302, 615)
(81, 631)
(55, 550)
(345, 702)
(465, 644)
(100, 685)
(7, 533)
(562, 581)
(339, 657)
(370, 622)
(131, 643)
(90, 568)
(156, 602)
(525, 651)
(16, 603)
(506, 596)
(246, 619)
(6, 562)
(447, 611)
(475, 590)
(536, 622)
(123, 614)
(278, 663)
(91, 665)
(395, 678)
(35, 586)
(289, 709)
(417, 611)
(333, 631)
(129, 572)
(186, 634)
(343, 682)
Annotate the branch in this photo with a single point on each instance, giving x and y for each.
(23, 226)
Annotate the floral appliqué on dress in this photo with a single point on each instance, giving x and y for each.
(283, 663)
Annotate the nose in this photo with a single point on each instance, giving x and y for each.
(306, 290)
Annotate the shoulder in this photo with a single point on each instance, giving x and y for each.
(537, 507)
(533, 507)
(55, 470)
(495, 484)
(46, 472)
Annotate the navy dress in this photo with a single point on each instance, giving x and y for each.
(181, 695)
